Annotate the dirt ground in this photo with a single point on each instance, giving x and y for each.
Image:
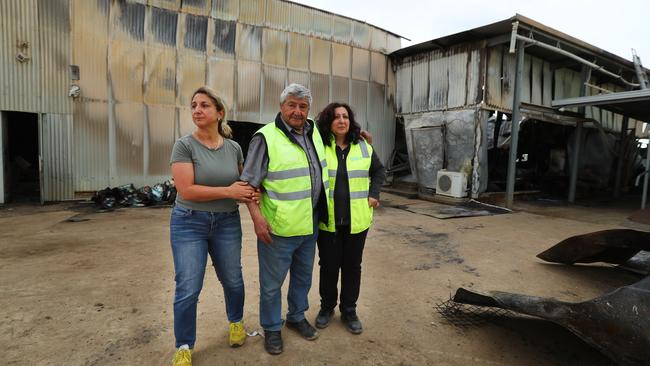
(98, 290)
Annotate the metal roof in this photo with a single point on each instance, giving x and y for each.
(542, 33)
(635, 103)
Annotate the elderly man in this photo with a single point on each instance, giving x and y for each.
(286, 159)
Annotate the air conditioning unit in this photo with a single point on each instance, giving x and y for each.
(452, 184)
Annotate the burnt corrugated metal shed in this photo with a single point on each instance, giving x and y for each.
(135, 64)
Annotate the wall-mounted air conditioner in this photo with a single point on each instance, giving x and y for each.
(452, 184)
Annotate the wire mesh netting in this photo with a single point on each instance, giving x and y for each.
(465, 315)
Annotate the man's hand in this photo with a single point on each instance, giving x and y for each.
(373, 202)
(367, 136)
(262, 229)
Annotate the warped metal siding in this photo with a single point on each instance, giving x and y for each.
(19, 81)
(340, 89)
(224, 39)
(160, 130)
(298, 52)
(274, 83)
(249, 42)
(56, 152)
(274, 47)
(438, 81)
(91, 160)
(360, 64)
(248, 91)
(320, 88)
(342, 30)
(54, 29)
(278, 14)
(320, 56)
(420, 85)
(457, 79)
(225, 9)
(359, 101)
(90, 47)
(300, 77)
(252, 11)
(403, 88)
(221, 77)
(301, 19)
(377, 68)
(129, 140)
(322, 24)
(341, 60)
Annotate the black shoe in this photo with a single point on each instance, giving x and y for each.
(304, 328)
(273, 342)
(324, 317)
(352, 322)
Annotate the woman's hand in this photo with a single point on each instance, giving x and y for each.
(242, 191)
(373, 202)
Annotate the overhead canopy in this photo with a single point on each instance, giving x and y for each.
(634, 104)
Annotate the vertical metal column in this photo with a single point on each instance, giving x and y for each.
(584, 77)
(619, 163)
(516, 118)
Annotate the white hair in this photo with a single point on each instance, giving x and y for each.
(297, 91)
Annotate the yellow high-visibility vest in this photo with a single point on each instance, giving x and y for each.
(358, 167)
(286, 202)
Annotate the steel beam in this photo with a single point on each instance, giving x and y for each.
(514, 133)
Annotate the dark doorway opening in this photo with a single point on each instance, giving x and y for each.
(242, 133)
(22, 181)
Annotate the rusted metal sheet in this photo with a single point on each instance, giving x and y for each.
(274, 46)
(90, 47)
(360, 35)
(438, 81)
(342, 30)
(403, 88)
(57, 155)
(247, 104)
(225, 9)
(320, 56)
(378, 40)
(249, 42)
(377, 67)
(615, 323)
(91, 162)
(359, 101)
(420, 85)
(54, 29)
(322, 24)
(341, 60)
(129, 141)
(224, 38)
(159, 75)
(278, 14)
(19, 39)
(197, 7)
(320, 89)
(493, 79)
(274, 83)
(299, 77)
(252, 11)
(221, 77)
(611, 246)
(340, 89)
(360, 64)
(196, 33)
(298, 52)
(300, 19)
(190, 74)
(160, 139)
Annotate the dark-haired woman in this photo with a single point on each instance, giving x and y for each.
(355, 177)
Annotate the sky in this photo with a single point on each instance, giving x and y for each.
(614, 26)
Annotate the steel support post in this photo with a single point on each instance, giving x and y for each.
(620, 162)
(514, 133)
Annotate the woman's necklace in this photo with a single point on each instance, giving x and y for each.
(212, 145)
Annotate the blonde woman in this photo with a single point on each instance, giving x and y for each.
(205, 220)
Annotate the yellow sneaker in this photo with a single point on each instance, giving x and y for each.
(183, 357)
(237, 334)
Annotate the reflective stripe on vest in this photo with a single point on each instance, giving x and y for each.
(286, 201)
(358, 167)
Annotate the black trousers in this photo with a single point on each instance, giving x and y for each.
(340, 252)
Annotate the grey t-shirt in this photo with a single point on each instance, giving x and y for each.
(212, 167)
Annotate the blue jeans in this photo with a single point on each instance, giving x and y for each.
(295, 255)
(194, 235)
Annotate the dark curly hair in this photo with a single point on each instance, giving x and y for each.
(327, 115)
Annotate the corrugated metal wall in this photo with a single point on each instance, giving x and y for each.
(19, 81)
(56, 149)
(137, 63)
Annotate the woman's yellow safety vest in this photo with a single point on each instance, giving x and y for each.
(358, 166)
(286, 202)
